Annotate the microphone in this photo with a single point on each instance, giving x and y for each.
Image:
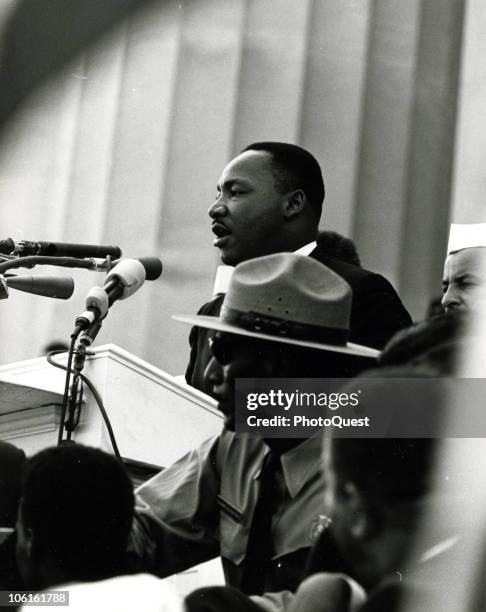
(58, 249)
(152, 265)
(59, 287)
(121, 282)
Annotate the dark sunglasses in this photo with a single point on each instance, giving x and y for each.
(221, 348)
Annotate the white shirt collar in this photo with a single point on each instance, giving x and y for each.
(306, 249)
(439, 548)
(223, 273)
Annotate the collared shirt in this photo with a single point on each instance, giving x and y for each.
(202, 507)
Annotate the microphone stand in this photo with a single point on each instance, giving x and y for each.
(73, 394)
(74, 399)
(85, 341)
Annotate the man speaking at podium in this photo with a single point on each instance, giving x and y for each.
(269, 200)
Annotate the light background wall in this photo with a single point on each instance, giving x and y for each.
(469, 177)
(126, 145)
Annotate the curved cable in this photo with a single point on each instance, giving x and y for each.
(95, 393)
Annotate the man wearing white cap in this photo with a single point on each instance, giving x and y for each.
(464, 279)
(256, 503)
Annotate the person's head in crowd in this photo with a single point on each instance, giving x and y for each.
(435, 343)
(285, 315)
(338, 247)
(446, 358)
(377, 489)
(75, 516)
(269, 200)
(464, 277)
(464, 280)
(12, 462)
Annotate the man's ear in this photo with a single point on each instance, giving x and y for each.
(362, 522)
(294, 204)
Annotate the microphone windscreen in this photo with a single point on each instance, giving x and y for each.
(153, 267)
(129, 274)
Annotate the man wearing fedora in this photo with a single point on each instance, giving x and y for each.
(269, 200)
(256, 503)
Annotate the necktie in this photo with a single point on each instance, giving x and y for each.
(260, 545)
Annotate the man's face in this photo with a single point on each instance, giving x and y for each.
(235, 357)
(247, 216)
(464, 281)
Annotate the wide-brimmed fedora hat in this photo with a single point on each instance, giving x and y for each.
(287, 298)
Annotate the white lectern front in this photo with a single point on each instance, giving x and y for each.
(156, 418)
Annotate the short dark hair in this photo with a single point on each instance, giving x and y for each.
(385, 470)
(410, 344)
(338, 247)
(295, 168)
(79, 503)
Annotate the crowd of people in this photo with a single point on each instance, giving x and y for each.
(323, 523)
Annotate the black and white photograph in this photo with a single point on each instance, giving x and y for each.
(243, 305)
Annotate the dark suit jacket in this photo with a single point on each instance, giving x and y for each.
(12, 461)
(376, 315)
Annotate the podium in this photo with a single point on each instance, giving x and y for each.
(156, 417)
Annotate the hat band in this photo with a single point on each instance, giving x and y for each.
(276, 326)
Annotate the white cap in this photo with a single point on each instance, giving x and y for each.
(466, 236)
